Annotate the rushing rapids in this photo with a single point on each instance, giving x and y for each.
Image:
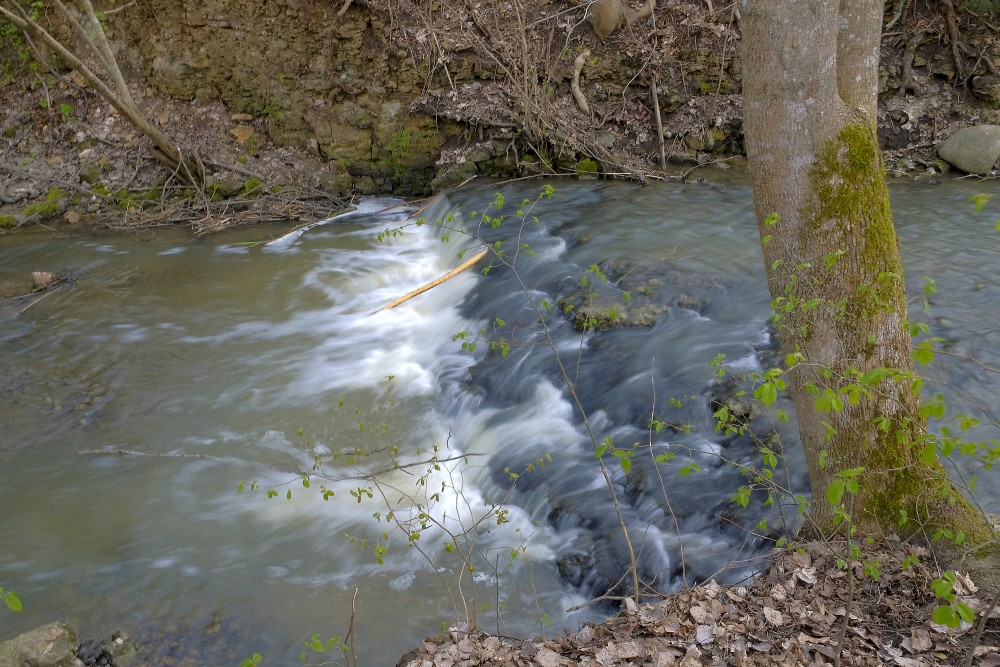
(165, 370)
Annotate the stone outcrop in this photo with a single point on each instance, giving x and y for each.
(56, 645)
(334, 85)
(52, 645)
(986, 88)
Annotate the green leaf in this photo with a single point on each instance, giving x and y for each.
(829, 401)
(626, 464)
(688, 469)
(943, 588)
(923, 354)
(945, 615)
(831, 258)
(835, 492)
(12, 601)
(766, 393)
(599, 452)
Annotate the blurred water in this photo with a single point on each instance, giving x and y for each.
(211, 362)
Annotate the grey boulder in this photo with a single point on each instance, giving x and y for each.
(974, 150)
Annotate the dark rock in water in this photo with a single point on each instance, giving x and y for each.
(15, 285)
(593, 312)
(733, 394)
(52, 645)
(118, 651)
(56, 645)
(622, 294)
(598, 565)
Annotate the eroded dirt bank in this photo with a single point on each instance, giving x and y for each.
(381, 96)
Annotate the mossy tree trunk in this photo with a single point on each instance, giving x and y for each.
(833, 264)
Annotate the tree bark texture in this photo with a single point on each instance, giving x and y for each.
(832, 257)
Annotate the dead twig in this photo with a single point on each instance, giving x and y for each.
(655, 93)
(574, 86)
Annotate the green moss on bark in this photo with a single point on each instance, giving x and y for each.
(848, 178)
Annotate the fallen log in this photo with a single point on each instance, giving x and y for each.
(464, 266)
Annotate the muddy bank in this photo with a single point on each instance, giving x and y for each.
(398, 97)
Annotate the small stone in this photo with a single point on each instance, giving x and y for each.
(242, 133)
(42, 279)
(89, 173)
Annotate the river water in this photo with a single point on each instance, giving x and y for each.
(169, 370)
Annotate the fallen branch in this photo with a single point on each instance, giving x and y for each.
(659, 121)
(464, 266)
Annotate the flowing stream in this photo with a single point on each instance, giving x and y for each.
(167, 371)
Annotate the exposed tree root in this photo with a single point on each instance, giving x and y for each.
(953, 37)
(581, 99)
(906, 82)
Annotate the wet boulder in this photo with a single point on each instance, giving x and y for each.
(52, 645)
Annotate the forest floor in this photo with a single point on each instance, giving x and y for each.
(57, 152)
(812, 606)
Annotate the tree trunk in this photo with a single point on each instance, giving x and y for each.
(833, 264)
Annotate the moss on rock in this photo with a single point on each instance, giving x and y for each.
(588, 168)
(55, 202)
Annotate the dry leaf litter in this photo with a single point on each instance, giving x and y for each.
(800, 612)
